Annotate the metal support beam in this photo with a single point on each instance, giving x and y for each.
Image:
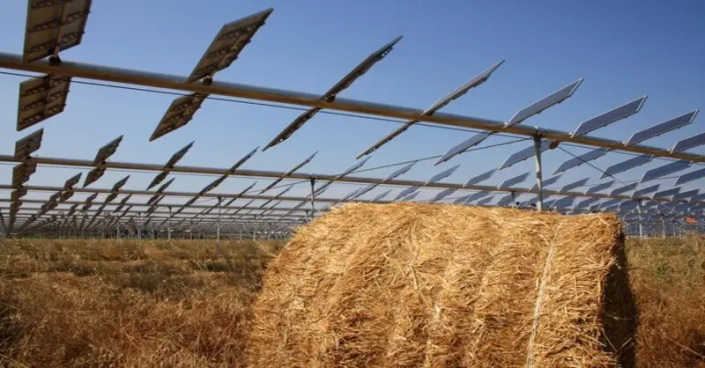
(169, 229)
(539, 173)
(313, 197)
(640, 217)
(157, 80)
(217, 232)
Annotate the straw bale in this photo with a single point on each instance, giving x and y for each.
(413, 285)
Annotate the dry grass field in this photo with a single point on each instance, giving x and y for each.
(113, 303)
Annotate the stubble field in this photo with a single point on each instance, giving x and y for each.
(126, 303)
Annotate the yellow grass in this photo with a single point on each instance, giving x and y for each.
(79, 303)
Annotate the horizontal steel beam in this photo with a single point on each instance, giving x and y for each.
(298, 176)
(158, 80)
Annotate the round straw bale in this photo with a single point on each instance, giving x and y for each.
(411, 285)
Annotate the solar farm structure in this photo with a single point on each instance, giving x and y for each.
(667, 198)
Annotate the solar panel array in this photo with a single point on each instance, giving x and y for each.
(270, 208)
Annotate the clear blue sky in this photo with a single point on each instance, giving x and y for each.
(623, 50)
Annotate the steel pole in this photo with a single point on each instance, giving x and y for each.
(169, 224)
(313, 197)
(641, 219)
(157, 80)
(217, 232)
(539, 173)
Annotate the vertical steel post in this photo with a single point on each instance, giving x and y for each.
(217, 231)
(313, 198)
(139, 225)
(117, 230)
(640, 219)
(663, 225)
(514, 199)
(168, 236)
(539, 172)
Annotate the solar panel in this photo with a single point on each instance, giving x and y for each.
(697, 198)
(176, 157)
(213, 185)
(158, 179)
(627, 165)
(111, 197)
(382, 195)
(515, 180)
(242, 161)
(288, 173)
(609, 203)
(93, 176)
(587, 202)
(54, 25)
(574, 185)
(464, 146)
(579, 160)
(550, 181)
(667, 193)
(22, 172)
(442, 175)
(505, 201)
(624, 189)
(443, 194)
(644, 191)
(91, 198)
(685, 195)
(662, 128)
(365, 189)
(669, 168)
(600, 187)
(411, 196)
(564, 202)
(609, 117)
(106, 151)
(688, 177)
(399, 172)
(441, 103)
(28, 145)
(548, 204)
(41, 98)
(522, 155)
(179, 113)
(480, 178)
(689, 143)
(628, 205)
(484, 201)
(405, 192)
(478, 195)
(120, 184)
(227, 45)
(331, 94)
(543, 104)
(461, 200)
(350, 195)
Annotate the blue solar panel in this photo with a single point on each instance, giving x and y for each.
(505, 201)
(484, 201)
(685, 195)
(411, 196)
(697, 198)
(405, 192)
(644, 191)
(464, 146)
(666, 169)
(350, 195)
(628, 205)
(574, 185)
(364, 190)
(693, 175)
(442, 175)
(610, 203)
(480, 178)
(564, 202)
(522, 155)
(548, 204)
(688, 143)
(541, 105)
(382, 195)
(443, 194)
(461, 200)
(624, 189)
(600, 187)
(627, 165)
(667, 193)
(547, 182)
(609, 117)
(579, 160)
(464, 88)
(662, 128)
(399, 172)
(587, 202)
(514, 181)
(478, 195)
